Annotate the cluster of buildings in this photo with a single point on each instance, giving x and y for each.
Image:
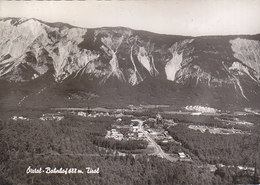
(165, 137)
(51, 117)
(98, 114)
(250, 110)
(113, 133)
(159, 134)
(215, 130)
(135, 136)
(199, 108)
(44, 117)
(135, 132)
(15, 118)
(83, 114)
(92, 115)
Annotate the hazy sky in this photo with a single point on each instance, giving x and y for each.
(178, 17)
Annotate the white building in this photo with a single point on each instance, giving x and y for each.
(14, 118)
(84, 114)
(182, 155)
(140, 134)
(119, 120)
(135, 128)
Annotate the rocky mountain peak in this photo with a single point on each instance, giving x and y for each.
(31, 49)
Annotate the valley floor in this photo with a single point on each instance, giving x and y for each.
(151, 143)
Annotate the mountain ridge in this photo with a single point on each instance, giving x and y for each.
(32, 49)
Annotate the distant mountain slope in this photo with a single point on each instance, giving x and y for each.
(121, 64)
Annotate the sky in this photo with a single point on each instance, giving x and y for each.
(175, 17)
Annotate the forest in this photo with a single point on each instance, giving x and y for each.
(72, 142)
(233, 149)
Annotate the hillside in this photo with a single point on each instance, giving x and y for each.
(56, 64)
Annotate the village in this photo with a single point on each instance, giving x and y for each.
(150, 129)
(135, 130)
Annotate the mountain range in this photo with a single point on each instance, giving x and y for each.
(56, 65)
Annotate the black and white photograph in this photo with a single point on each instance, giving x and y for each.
(130, 92)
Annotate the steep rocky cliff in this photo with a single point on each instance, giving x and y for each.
(125, 63)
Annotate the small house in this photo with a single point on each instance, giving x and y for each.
(140, 134)
(135, 128)
(182, 155)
